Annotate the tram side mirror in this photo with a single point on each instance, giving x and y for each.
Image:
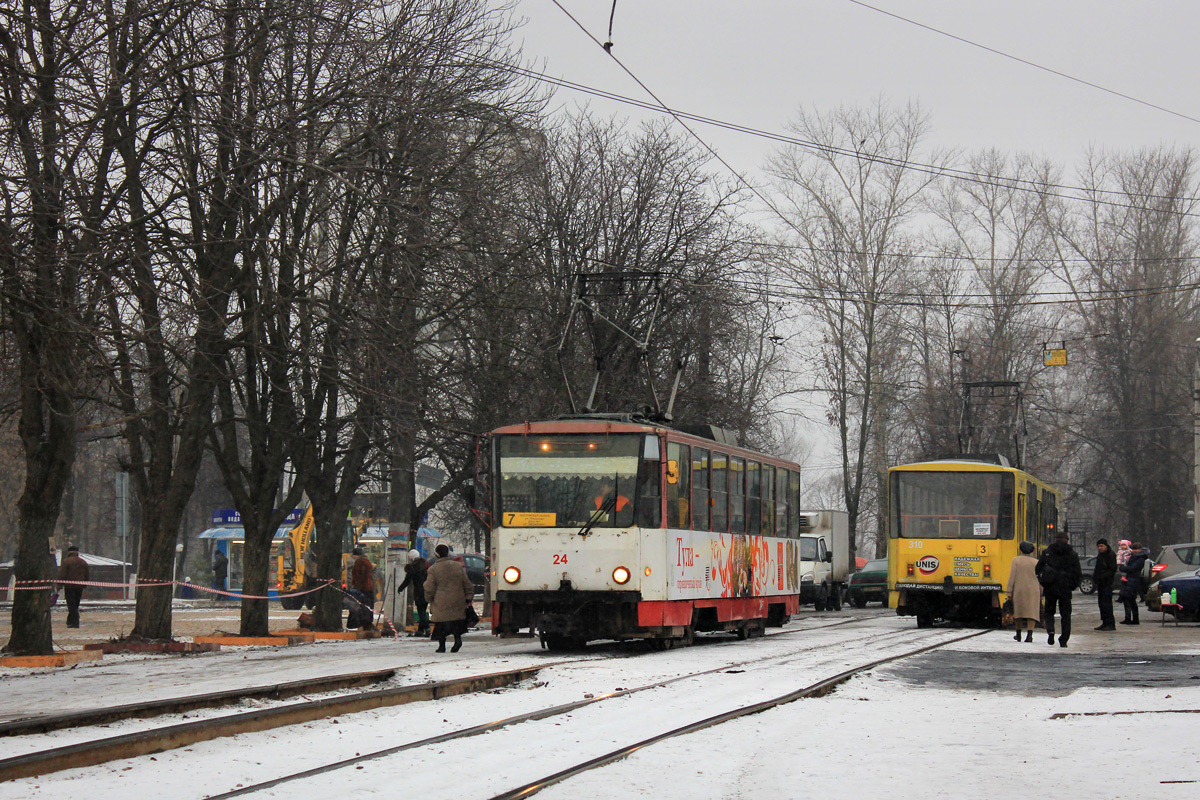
(672, 472)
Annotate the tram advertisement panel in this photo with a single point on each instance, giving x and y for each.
(702, 564)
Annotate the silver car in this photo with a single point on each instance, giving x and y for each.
(1177, 558)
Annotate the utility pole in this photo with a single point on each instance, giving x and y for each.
(1196, 443)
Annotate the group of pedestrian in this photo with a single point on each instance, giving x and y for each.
(442, 591)
(1038, 587)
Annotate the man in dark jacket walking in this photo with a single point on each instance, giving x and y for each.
(415, 573)
(1059, 573)
(75, 570)
(1102, 576)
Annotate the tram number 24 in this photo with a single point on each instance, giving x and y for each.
(560, 558)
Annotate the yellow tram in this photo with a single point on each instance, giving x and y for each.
(954, 527)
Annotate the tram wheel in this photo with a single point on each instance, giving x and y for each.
(563, 644)
(742, 631)
(924, 620)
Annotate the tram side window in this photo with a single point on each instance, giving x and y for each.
(649, 492)
(1005, 520)
(700, 503)
(737, 495)
(793, 501)
(720, 492)
(753, 498)
(679, 485)
(1031, 516)
(782, 527)
(768, 500)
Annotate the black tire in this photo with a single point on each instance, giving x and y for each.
(822, 598)
(924, 620)
(291, 603)
(836, 599)
(857, 600)
(1087, 585)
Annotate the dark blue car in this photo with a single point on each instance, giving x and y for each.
(1187, 594)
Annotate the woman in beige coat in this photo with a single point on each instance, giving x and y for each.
(1025, 592)
(448, 590)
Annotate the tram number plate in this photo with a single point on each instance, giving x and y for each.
(529, 519)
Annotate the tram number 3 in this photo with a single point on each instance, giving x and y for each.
(560, 558)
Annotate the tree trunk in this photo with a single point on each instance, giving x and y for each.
(256, 558)
(328, 528)
(152, 610)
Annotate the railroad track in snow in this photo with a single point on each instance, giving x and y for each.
(347, 699)
(567, 708)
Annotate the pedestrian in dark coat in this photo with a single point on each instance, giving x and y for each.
(362, 580)
(220, 569)
(415, 573)
(1103, 576)
(1059, 573)
(1134, 584)
(75, 570)
(449, 590)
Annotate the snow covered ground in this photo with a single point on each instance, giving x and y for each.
(903, 731)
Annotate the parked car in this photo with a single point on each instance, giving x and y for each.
(1176, 559)
(477, 568)
(869, 583)
(1086, 584)
(1187, 595)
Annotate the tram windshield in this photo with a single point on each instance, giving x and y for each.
(952, 505)
(561, 480)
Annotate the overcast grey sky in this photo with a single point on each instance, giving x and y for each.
(754, 62)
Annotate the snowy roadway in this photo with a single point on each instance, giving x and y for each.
(973, 719)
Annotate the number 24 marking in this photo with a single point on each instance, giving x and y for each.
(560, 558)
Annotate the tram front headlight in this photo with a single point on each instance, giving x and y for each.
(621, 575)
(512, 574)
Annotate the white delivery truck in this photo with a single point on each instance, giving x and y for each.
(824, 558)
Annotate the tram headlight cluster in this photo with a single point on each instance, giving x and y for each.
(621, 575)
(511, 574)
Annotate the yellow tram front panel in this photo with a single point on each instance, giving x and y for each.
(930, 561)
(954, 528)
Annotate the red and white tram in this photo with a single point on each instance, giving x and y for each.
(611, 527)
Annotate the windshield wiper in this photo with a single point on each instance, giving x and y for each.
(602, 511)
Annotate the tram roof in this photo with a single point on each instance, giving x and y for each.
(705, 435)
(980, 464)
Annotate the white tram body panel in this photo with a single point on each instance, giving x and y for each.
(584, 547)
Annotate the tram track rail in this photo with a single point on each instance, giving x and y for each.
(817, 689)
(168, 737)
(539, 714)
(150, 709)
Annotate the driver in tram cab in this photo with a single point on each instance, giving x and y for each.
(605, 497)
